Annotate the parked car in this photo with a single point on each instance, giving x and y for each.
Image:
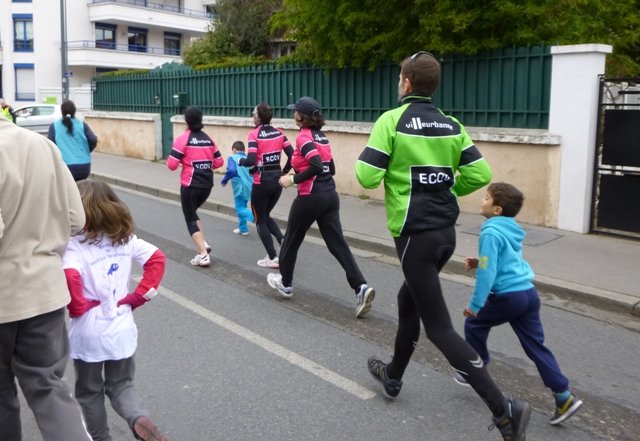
(38, 117)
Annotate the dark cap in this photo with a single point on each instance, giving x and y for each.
(305, 105)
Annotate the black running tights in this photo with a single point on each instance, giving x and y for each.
(422, 256)
(264, 197)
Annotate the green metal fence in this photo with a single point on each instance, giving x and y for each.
(502, 88)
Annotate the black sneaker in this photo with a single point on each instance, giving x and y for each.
(566, 409)
(378, 370)
(513, 424)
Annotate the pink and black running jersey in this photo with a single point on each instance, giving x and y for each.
(264, 152)
(198, 155)
(310, 143)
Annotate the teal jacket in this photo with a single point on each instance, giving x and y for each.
(426, 160)
(501, 267)
(241, 180)
(75, 146)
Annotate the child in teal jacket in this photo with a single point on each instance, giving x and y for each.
(241, 183)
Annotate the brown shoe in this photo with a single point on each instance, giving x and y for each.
(147, 431)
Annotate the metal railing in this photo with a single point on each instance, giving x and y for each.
(158, 6)
(88, 44)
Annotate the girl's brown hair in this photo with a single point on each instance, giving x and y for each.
(106, 214)
(311, 121)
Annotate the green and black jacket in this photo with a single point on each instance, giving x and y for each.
(427, 160)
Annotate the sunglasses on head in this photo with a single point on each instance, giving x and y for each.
(415, 56)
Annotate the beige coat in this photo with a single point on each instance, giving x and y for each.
(40, 208)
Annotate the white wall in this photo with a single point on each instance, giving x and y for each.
(573, 115)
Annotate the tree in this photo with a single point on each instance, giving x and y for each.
(240, 28)
(338, 33)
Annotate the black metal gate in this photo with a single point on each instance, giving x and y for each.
(616, 195)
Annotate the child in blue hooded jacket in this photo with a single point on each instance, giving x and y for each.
(241, 183)
(504, 293)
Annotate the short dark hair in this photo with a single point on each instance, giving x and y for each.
(264, 112)
(238, 145)
(423, 70)
(311, 121)
(507, 197)
(193, 118)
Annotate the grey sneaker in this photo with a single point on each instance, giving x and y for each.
(378, 369)
(458, 378)
(566, 409)
(364, 297)
(275, 281)
(268, 263)
(200, 260)
(513, 424)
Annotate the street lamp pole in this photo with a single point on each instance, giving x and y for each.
(63, 50)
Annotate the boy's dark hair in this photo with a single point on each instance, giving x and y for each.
(423, 70)
(193, 118)
(507, 197)
(238, 145)
(264, 112)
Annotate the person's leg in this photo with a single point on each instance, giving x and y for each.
(528, 328)
(10, 425)
(40, 358)
(89, 392)
(422, 256)
(495, 312)
(191, 199)
(407, 335)
(331, 231)
(118, 385)
(244, 214)
(301, 217)
(273, 199)
(260, 195)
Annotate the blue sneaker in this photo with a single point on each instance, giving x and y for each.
(566, 409)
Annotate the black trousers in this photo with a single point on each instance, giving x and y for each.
(420, 298)
(264, 197)
(323, 208)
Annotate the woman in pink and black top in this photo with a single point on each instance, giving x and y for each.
(317, 201)
(199, 156)
(265, 147)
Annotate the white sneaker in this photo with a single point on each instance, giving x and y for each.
(269, 263)
(200, 260)
(275, 281)
(237, 231)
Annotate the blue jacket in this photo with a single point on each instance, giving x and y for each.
(75, 147)
(501, 267)
(241, 180)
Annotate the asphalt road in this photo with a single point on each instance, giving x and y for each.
(222, 357)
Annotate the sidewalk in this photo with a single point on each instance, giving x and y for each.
(595, 269)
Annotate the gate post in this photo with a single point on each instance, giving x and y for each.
(573, 113)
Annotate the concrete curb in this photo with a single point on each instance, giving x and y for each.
(596, 297)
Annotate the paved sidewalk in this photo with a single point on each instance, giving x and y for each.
(600, 270)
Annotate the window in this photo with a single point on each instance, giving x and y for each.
(105, 36)
(171, 43)
(23, 32)
(137, 40)
(25, 82)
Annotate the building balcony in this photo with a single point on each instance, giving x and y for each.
(149, 15)
(120, 56)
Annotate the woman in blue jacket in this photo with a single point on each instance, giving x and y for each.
(75, 140)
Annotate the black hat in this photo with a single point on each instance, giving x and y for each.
(306, 105)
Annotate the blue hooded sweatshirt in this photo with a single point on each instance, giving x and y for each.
(501, 267)
(241, 180)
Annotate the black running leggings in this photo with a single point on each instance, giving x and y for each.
(422, 256)
(264, 197)
(323, 208)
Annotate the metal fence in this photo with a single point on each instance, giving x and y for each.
(502, 88)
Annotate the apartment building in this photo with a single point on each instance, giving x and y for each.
(101, 35)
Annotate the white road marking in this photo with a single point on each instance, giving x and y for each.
(296, 359)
